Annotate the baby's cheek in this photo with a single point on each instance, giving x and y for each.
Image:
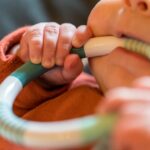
(103, 17)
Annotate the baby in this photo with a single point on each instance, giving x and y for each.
(59, 92)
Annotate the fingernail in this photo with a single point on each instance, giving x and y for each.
(76, 43)
(48, 64)
(36, 60)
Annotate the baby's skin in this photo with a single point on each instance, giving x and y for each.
(130, 71)
(50, 43)
(120, 18)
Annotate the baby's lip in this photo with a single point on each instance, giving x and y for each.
(132, 36)
(136, 45)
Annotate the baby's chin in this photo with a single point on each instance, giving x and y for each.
(119, 68)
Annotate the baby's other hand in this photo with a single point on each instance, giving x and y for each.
(133, 108)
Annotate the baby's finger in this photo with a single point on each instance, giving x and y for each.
(23, 52)
(136, 109)
(131, 133)
(72, 67)
(35, 40)
(120, 97)
(51, 33)
(65, 42)
(81, 36)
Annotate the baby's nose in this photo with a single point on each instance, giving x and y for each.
(141, 6)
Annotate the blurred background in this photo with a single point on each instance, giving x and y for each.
(17, 13)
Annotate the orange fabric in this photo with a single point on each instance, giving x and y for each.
(36, 103)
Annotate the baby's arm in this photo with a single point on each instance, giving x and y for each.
(49, 44)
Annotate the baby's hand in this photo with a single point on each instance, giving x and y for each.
(133, 106)
(49, 44)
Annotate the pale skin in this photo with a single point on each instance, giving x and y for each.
(49, 44)
(120, 68)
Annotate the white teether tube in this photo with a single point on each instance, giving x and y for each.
(100, 46)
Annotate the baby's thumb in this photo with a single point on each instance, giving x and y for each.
(72, 67)
(81, 36)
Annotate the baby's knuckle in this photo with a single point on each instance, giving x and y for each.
(35, 32)
(51, 28)
(68, 25)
